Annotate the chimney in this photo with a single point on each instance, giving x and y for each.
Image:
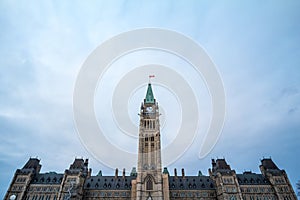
(213, 162)
(182, 171)
(175, 172)
(89, 172)
(116, 173)
(123, 175)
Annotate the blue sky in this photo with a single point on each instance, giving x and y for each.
(254, 44)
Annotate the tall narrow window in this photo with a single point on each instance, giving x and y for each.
(152, 147)
(149, 184)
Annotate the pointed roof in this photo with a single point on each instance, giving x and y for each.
(149, 95)
(269, 164)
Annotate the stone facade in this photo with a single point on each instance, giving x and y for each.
(150, 181)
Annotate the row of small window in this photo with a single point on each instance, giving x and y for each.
(256, 189)
(71, 180)
(107, 194)
(149, 124)
(192, 186)
(17, 188)
(252, 180)
(109, 185)
(279, 180)
(112, 180)
(228, 180)
(287, 197)
(147, 144)
(44, 189)
(230, 189)
(149, 139)
(146, 147)
(283, 189)
(230, 197)
(41, 197)
(48, 180)
(193, 194)
(21, 180)
(194, 180)
(264, 197)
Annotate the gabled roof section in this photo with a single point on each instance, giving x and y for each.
(149, 95)
(48, 178)
(108, 183)
(220, 165)
(32, 165)
(268, 163)
(191, 183)
(249, 178)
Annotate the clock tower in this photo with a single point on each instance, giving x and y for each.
(149, 178)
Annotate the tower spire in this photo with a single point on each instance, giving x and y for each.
(149, 95)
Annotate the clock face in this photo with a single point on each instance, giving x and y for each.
(12, 197)
(149, 109)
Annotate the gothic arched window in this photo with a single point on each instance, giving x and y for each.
(149, 184)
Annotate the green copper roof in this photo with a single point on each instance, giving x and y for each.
(99, 173)
(149, 96)
(165, 171)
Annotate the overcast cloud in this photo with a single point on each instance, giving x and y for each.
(254, 44)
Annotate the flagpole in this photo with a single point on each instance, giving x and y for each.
(151, 76)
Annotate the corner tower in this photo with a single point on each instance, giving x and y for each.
(149, 178)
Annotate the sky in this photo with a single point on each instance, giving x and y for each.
(254, 45)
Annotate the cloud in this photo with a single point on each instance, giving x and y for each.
(254, 45)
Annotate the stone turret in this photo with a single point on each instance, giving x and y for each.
(225, 179)
(22, 179)
(278, 179)
(73, 180)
